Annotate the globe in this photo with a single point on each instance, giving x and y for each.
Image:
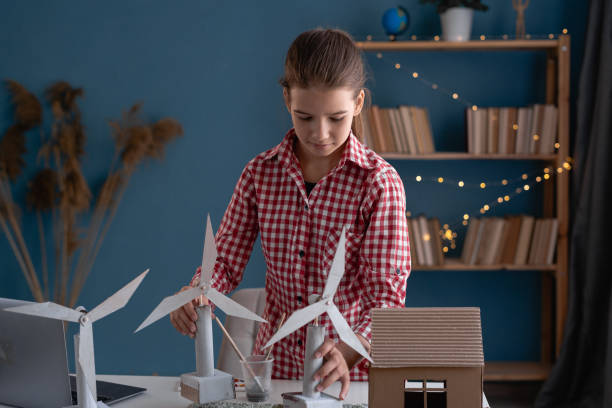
(395, 21)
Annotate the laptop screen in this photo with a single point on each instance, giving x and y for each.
(32, 354)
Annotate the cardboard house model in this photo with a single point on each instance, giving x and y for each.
(426, 358)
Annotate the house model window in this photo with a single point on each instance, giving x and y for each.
(424, 394)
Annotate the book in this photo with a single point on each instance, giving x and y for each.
(435, 228)
(477, 242)
(511, 240)
(427, 240)
(470, 239)
(524, 240)
(535, 134)
(387, 133)
(524, 127)
(381, 146)
(409, 129)
(418, 241)
(492, 130)
(549, 130)
(414, 260)
(552, 241)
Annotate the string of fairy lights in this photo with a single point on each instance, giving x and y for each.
(517, 185)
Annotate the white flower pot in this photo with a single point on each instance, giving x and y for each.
(457, 23)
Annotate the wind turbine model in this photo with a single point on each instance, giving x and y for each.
(207, 384)
(315, 335)
(83, 342)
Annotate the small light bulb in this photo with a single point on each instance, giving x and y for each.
(440, 180)
(415, 74)
(408, 214)
(482, 185)
(445, 226)
(559, 170)
(567, 166)
(464, 222)
(546, 170)
(436, 38)
(538, 179)
(419, 178)
(445, 249)
(379, 55)
(524, 176)
(455, 95)
(482, 211)
(551, 36)
(564, 31)
(500, 199)
(482, 37)
(518, 190)
(528, 36)
(557, 145)
(369, 38)
(474, 108)
(515, 126)
(434, 86)
(461, 184)
(486, 207)
(507, 198)
(546, 176)
(397, 66)
(505, 36)
(426, 237)
(504, 182)
(536, 137)
(466, 216)
(526, 187)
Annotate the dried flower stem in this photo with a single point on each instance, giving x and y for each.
(5, 191)
(17, 254)
(43, 253)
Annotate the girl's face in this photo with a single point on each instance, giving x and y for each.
(322, 118)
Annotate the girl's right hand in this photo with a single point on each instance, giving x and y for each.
(184, 318)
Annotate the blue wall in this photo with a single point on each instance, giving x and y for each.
(214, 66)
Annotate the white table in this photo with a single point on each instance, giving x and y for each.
(163, 392)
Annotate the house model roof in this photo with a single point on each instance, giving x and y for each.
(427, 337)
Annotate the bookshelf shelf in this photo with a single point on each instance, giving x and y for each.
(468, 156)
(452, 264)
(516, 371)
(556, 195)
(476, 45)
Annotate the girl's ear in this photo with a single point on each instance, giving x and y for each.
(286, 98)
(359, 102)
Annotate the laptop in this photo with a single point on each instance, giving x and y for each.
(34, 364)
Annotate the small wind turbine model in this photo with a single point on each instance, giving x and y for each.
(207, 384)
(315, 336)
(83, 342)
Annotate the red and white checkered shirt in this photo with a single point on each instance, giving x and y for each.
(299, 236)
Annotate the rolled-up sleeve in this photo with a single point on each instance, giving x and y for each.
(385, 254)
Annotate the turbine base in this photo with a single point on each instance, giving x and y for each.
(200, 390)
(298, 400)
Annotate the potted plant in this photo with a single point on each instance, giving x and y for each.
(456, 17)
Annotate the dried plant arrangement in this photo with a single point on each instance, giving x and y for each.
(58, 192)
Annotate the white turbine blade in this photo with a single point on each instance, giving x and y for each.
(296, 320)
(170, 304)
(47, 309)
(337, 268)
(116, 301)
(86, 357)
(209, 255)
(344, 331)
(230, 307)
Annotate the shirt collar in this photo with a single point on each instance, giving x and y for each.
(354, 151)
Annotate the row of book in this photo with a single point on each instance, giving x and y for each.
(425, 241)
(508, 130)
(405, 129)
(516, 240)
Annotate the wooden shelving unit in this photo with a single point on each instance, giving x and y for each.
(556, 196)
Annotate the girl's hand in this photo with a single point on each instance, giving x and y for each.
(339, 359)
(184, 318)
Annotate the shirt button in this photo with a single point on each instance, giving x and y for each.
(398, 271)
(299, 299)
(302, 254)
(299, 342)
(306, 207)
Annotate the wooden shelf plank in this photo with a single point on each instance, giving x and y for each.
(468, 156)
(516, 371)
(474, 45)
(454, 264)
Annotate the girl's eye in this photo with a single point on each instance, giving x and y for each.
(337, 119)
(304, 118)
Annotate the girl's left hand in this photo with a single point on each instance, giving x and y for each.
(338, 360)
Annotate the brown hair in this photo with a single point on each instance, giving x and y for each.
(329, 58)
